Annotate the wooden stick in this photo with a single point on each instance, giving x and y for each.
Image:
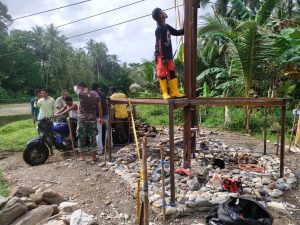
(163, 180)
(72, 140)
(146, 198)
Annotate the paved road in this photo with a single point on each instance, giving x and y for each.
(14, 109)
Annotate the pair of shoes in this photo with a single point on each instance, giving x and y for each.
(173, 83)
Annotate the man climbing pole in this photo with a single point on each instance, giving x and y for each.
(165, 69)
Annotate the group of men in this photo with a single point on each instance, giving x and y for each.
(90, 116)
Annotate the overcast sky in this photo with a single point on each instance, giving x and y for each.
(131, 41)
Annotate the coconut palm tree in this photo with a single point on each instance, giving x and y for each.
(247, 43)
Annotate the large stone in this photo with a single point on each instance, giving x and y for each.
(51, 197)
(36, 198)
(67, 207)
(12, 201)
(9, 214)
(22, 191)
(275, 193)
(194, 184)
(31, 205)
(266, 181)
(34, 216)
(56, 222)
(191, 204)
(202, 202)
(81, 218)
(3, 201)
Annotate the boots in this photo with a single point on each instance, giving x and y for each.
(164, 88)
(173, 83)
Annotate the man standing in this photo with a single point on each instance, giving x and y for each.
(165, 69)
(60, 103)
(121, 116)
(101, 129)
(34, 110)
(89, 101)
(46, 104)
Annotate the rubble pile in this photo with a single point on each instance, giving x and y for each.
(258, 174)
(25, 206)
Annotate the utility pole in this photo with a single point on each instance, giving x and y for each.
(190, 72)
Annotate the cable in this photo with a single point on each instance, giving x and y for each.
(111, 10)
(116, 24)
(49, 10)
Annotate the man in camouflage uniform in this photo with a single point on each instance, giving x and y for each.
(87, 119)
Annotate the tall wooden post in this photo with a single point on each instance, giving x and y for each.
(190, 71)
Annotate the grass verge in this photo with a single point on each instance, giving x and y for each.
(14, 136)
(12, 118)
(3, 186)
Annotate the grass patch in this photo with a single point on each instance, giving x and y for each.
(12, 118)
(14, 136)
(3, 186)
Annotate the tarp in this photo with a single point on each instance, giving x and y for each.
(240, 211)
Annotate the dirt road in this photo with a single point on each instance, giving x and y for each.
(14, 109)
(102, 193)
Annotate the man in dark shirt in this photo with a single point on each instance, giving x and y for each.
(165, 68)
(101, 129)
(89, 102)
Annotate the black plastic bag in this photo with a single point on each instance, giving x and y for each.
(246, 212)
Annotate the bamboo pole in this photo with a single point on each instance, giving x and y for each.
(146, 198)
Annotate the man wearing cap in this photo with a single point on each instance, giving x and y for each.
(165, 69)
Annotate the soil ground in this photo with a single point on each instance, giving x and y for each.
(109, 198)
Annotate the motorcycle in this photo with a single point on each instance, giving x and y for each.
(51, 134)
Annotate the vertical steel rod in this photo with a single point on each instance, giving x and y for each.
(282, 145)
(265, 132)
(162, 157)
(145, 185)
(172, 149)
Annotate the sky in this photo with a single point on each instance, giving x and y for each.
(131, 42)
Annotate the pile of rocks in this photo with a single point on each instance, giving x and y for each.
(26, 207)
(194, 193)
(145, 129)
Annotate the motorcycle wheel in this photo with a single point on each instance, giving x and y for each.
(35, 154)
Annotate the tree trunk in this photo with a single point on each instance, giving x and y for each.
(227, 119)
(247, 118)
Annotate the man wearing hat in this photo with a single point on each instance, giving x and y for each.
(165, 69)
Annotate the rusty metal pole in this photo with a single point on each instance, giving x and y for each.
(282, 144)
(265, 131)
(145, 185)
(109, 127)
(172, 149)
(162, 158)
(190, 71)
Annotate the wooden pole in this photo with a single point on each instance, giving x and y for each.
(172, 149)
(282, 144)
(145, 177)
(72, 138)
(162, 158)
(265, 131)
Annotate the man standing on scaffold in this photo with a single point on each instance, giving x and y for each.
(165, 69)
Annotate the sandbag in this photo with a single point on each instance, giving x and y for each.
(246, 212)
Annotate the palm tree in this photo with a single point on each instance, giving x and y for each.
(249, 48)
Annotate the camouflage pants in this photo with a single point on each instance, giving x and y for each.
(86, 133)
